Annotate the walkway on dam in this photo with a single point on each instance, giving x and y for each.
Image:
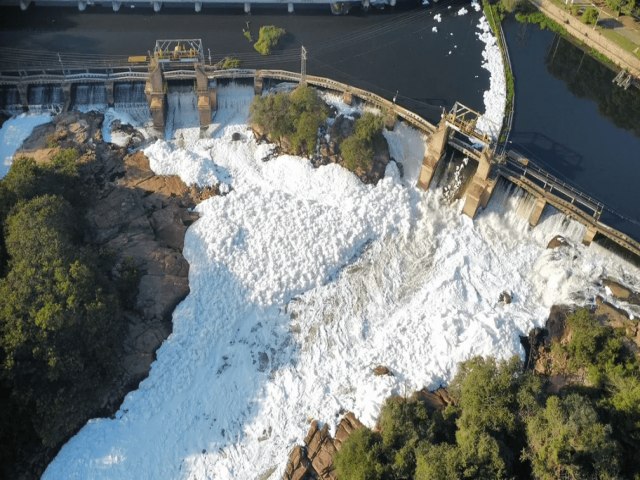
(457, 129)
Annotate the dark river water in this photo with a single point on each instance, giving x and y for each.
(569, 116)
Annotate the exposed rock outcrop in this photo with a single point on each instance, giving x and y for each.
(315, 458)
(329, 149)
(557, 241)
(621, 292)
(505, 297)
(381, 370)
(139, 220)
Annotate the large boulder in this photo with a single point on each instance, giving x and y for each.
(557, 241)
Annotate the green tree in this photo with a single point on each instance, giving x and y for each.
(268, 39)
(361, 457)
(439, 462)
(58, 321)
(356, 153)
(294, 117)
(368, 126)
(567, 440)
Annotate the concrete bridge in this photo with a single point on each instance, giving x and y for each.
(456, 129)
(337, 7)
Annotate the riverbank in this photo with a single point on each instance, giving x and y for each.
(590, 37)
(131, 224)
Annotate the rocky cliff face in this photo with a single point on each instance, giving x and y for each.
(139, 220)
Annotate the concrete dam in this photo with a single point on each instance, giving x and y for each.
(336, 7)
(145, 88)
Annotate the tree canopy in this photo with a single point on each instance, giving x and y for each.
(505, 423)
(59, 311)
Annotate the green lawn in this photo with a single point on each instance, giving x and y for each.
(621, 41)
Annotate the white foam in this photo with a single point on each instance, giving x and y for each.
(462, 11)
(302, 280)
(438, 17)
(495, 99)
(14, 131)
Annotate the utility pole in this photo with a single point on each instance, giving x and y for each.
(303, 66)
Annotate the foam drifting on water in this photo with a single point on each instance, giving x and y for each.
(495, 99)
(304, 279)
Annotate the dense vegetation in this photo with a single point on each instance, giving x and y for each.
(268, 39)
(293, 120)
(228, 63)
(59, 313)
(357, 150)
(292, 117)
(505, 422)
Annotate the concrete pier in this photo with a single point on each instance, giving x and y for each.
(109, 88)
(66, 95)
(204, 96)
(479, 191)
(23, 93)
(534, 218)
(435, 149)
(589, 235)
(257, 85)
(347, 97)
(155, 90)
(290, 7)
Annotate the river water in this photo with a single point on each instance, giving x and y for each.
(558, 122)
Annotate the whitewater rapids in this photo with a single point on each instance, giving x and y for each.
(302, 280)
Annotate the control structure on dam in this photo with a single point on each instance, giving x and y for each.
(183, 60)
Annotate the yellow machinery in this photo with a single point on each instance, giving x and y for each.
(138, 59)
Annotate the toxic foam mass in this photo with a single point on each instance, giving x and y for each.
(302, 280)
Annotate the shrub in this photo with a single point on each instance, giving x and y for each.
(357, 150)
(360, 457)
(439, 462)
(229, 63)
(268, 38)
(567, 440)
(356, 153)
(590, 16)
(294, 116)
(368, 126)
